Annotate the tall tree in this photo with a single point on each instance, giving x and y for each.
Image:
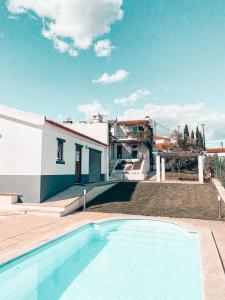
(201, 141)
(197, 137)
(186, 132)
(186, 137)
(192, 135)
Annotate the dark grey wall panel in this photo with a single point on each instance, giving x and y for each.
(102, 177)
(53, 184)
(94, 165)
(85, 178)
(26, 185)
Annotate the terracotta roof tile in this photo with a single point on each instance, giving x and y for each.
(216, 150)
(127, 122)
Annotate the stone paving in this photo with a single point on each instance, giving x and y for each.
(22, 233)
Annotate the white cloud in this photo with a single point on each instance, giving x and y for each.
(165, 89)
(139, 94)
(12, 17)
(64, 47)
(169, 116)
(75, 23)
(172, 115)
(104, 48)
(92, 108)
(119, 75)
(60, 118)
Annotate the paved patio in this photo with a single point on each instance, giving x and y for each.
(22, 233)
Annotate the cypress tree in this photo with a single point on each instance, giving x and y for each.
(192, 135)
(197, 137)
(186, 132)
(201, 141)
(186, 136)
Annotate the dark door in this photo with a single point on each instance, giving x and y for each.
(78, 163)
(119, 151)
(94, 165)
(134, 154)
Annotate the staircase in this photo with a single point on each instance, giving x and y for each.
(112, 163)
(137, 165)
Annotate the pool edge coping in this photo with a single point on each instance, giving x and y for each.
(211, 281)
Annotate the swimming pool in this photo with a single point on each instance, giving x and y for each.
(113, 260)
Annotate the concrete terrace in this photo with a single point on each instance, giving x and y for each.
(22, 233)
(64, 202)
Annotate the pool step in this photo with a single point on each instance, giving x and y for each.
(148, 232)
(152, 238)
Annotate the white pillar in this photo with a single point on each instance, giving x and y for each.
(85, 160)
(158, 176)
(107, 159)
(163, 168)
(105, 163)
(200, 169)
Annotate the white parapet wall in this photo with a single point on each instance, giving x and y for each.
(220, 188)
(96, 191)
(140, 174)
(6, 200)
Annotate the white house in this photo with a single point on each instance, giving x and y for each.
(220, 152)
(39, 157)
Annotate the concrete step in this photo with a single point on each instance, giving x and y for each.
(64, 206)
(26, 208)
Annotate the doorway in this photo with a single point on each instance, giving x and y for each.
(78, 158)
(119, 151)
(94, 165)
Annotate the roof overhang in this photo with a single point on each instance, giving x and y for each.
(178, 154)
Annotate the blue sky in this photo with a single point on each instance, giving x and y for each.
(172, 53)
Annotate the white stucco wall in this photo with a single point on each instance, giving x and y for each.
(28, 145)
(49, 152)
(221, 154)
(98, 131)
(20, 147)
(21, 115)
(127, 150)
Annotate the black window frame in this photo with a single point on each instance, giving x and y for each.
(60, 146)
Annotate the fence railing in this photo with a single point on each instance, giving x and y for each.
(219, 169)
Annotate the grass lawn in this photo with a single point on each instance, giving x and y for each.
(151, 199)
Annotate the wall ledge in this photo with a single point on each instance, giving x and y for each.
(220, 188)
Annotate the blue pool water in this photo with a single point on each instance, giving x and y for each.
(116, 260)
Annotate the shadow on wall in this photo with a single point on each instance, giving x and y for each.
(121, 192)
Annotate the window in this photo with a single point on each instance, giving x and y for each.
(60, 152)
(135, 129)
(119, 151)
(134, 146)
(112, 150)
(134, 154)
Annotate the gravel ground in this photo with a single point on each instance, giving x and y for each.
(151, 199)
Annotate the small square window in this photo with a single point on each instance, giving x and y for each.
(60, 151)
(135, 129)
